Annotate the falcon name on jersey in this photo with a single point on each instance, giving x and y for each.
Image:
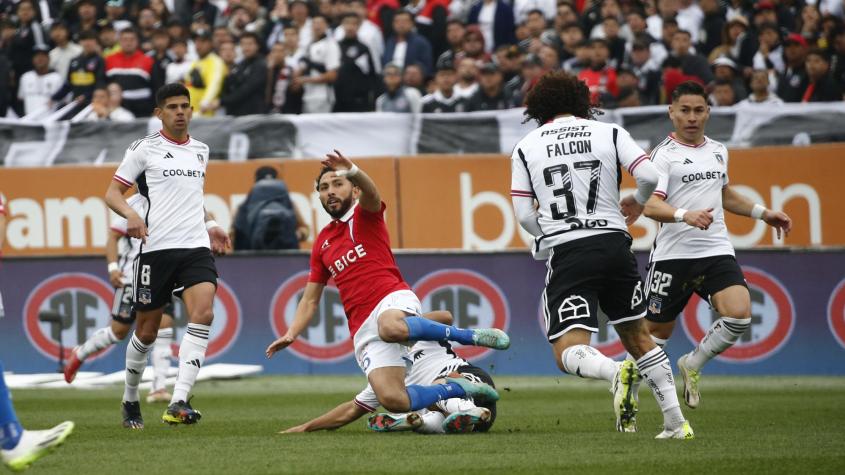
(572, 167)
(171, 176)
(691, 177)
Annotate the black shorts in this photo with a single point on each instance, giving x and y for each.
(670, 283)
(587, 273)
(159, 273)
(122, 310)
(476, 374)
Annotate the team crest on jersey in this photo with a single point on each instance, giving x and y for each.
(144, 295)
(655, 304)
(201, 158)
(325, 244)
(720, 158)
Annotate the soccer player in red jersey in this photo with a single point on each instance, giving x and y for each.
(354, 250)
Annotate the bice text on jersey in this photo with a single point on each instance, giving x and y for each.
(347, 259)
(568, 148)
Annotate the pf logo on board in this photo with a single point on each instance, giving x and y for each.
(836, 313)
(84, 303)
(772, 319)
(473, 300)
(326, 339)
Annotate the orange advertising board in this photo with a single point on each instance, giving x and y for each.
(444, 202)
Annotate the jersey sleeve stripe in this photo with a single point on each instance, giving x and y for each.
(118, 230)
(661, 194)
(637, 163)
(364, 406)
(122, 180)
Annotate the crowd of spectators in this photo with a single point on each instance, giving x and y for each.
(103, 59)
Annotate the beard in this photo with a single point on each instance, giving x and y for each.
(345, 204)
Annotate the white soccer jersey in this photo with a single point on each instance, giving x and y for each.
(128, 248)
(171, 176)
(430, 360)
(572, 167)
(691, 177)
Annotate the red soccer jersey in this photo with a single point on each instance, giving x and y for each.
(355, 251)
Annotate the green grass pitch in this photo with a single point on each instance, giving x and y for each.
(546, 425)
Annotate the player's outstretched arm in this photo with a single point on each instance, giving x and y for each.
(135, 226)
(661, 211)
(334, 419)
(370, 199)
(304, 312)
(220, 242)
(739, 204)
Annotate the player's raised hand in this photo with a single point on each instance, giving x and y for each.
(336, 161)
(280, 344)
(778, 220)
(701, 219)
(630, 209)
(220, 242)
(136, 228)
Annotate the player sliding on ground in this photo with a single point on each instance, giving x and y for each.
(354, 250)
(571, 166)
(692, 252)
(431, 362)
(177, 238)
(121, 251)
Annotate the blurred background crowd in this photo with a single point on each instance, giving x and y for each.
(88, 60)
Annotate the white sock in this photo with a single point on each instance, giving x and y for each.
(587, 362)
(136, 362)
(102, 338)
(456, 404)
(191, 359)
(432, 423)
(722, 335)
(661, 343)
(656, 370)
(161, 358)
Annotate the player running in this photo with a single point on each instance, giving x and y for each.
(382, 311)
(121, 251)
(431, 362)
(571, 165)
(692, 252)
(169, 169)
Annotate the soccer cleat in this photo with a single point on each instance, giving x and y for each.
(160, 395)
(132, 415)
(491, 338)
(386, 422)
(690, 376)
(181, 412)
(72, 367)
(625, 404)
(477, 391)
(35, 444)
(464, 422)
(683, 432)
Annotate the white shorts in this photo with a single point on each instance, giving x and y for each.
(370, 351)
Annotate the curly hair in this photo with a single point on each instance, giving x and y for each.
(558, 93)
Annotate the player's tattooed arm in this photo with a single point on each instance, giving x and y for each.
(334, 419)
(304, 312)
(135, 226)
(741, 205)
(369, 199)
